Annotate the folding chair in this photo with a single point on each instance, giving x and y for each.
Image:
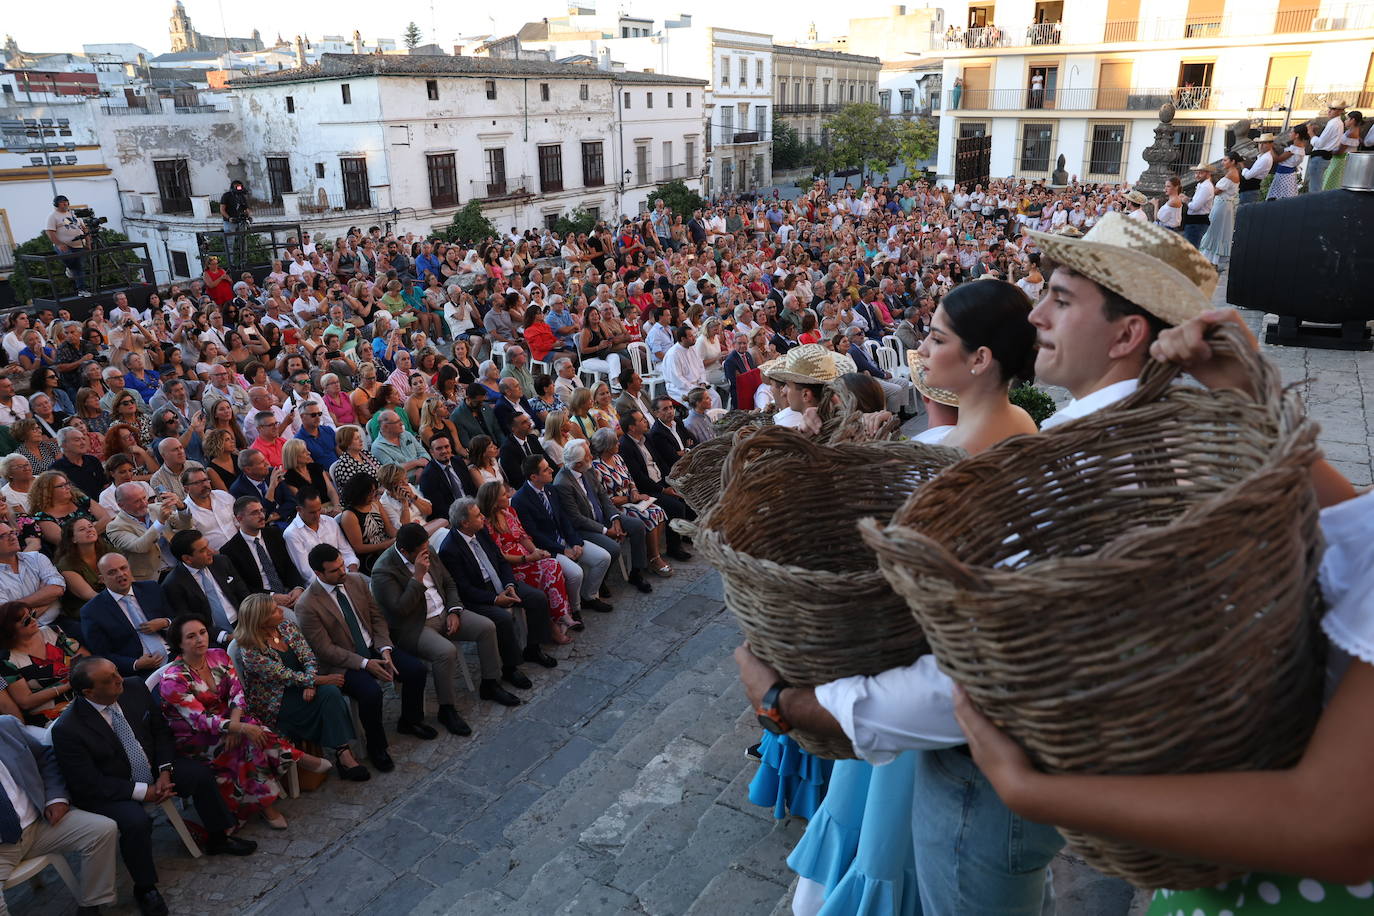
(30, 868)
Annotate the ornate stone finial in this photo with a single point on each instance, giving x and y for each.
(1162, 155)
(1166, 113)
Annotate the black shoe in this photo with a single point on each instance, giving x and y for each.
(679, 554)
(576, 625)
(418, 729)
(638, 581)
(596, 604)
(754, 752)
(150, 902)
(382, 761)
(449, 719)
(540, 657)
(224, 844)
(492, 690)
(513, 677)
(357, 773)
(604, 591)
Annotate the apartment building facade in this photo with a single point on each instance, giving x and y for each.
(814, 84)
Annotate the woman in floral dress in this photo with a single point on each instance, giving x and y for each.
(620, 489)
(532, 566)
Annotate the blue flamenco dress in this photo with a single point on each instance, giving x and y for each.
(789, 780)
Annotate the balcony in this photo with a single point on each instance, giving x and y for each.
(806, 109)
(1037, 33)
(674, 172)
(1144, 100)
(506, 189)
(175, 205)
(323, 201)
(157, 106)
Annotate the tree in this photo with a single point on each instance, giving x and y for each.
(916, 140)
(788, 150)
(860, 138)
(468, 226)
(576, 222)
(679, 198)
(412, 35)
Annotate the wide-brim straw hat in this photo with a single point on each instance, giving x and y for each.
(844, 363)
(1069, 232)
(809, 364)
(1265, 138)
(767, 369)
(1336, 103)
(1204, 167)
(918, 378)
(1136, 197)
(1148, 265)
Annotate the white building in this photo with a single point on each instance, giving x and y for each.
(911, 88)
(1085, 78)
(661, 134)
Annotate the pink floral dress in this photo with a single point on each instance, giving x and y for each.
(249, 776)
(545, 575)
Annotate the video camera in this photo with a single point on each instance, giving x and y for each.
(92, 221)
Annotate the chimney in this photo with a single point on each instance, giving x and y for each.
(603, 59)
(899, 11)
(300, 51)
(357, 42)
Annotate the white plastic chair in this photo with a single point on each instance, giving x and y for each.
(179, 825)
(891, 342)
(498, 352)
(872, 347)
(30, 868)
(639, 358)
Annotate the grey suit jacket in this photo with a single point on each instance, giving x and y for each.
(403, 598)
(326, 630)
(32, 766)
(572, 499)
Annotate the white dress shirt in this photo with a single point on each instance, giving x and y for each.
(19, 799)
(216, 522)
(434, 602)
(301, 539)
(1201, 204)
(683, 370)
(1330, 137)
(1261, 168)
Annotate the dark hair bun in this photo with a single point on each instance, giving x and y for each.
(995, 314)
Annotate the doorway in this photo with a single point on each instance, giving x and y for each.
(1041, 82)
(1194, 85)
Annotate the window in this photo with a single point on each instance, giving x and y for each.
(908, 101)
(782, 92)
(357, 195)
(319, 170)
(278, 177)
(670, 100)
(811, 92)
(491, 89)
(1191, 143)
(972, 129)
(624, 31)
(543, 92)
(627, 101)
(648, 100)
(583, 92)
(885, 101)
(290, 104)
(550, 168)
(668, 167)
(551, 220)
(443, 180)
(641, 164)
(689, 100)
(725, 71)
(727, 124)
(825, 94)
(761, 121)
(758, 71)
(496, 172)
(851, 92)
(432, 90)
(594, 213)
(347, 92)
(689, 156)
(1106, 148)
(173, 184)
(181, 267)
(593, 165)
(758, 171)
(1036, 140)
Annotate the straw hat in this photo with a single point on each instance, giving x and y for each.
(1069, 232)
(918, 378)
(1337, 103)
(1265, 138)
(809, 364)
(1204, 167)
(768, 368)
(1150, 266)
(1136, 197)
(844, 363)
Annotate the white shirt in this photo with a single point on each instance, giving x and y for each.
(683, 370)
(1201, 204)
(1330, 137)
(434, 602)
(107, 495)
(301, 539)
(788, 417)
(1261, 168)
(912, 708)
(19, 799)
(659, 340)
(216, 522)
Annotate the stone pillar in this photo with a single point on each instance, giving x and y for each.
(1162, 155)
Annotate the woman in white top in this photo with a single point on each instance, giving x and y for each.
(708, 347)
(18, 474)
(1170, 211)
(401, 503)
(1288, 165)
(482, 452)
(1216, 243)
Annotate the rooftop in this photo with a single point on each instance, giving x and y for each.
(339, 66)
(825, 55)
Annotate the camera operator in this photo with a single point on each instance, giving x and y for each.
(233, 208)
(68, 235)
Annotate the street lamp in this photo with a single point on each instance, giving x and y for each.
(164, 232)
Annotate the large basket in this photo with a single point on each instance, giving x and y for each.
(696, 475)
(1132, 592)
(801, 583)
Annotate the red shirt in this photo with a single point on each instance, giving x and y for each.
(270, 450)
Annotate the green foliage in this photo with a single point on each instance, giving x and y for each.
(412, 35)
(860, 138)
(469, 226)
(575, 222)
(110, 273)
(1034, 401)
(259, 252)
(679, 198)
(916, 140)
(787, 146)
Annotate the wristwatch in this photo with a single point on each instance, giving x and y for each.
(770, 712)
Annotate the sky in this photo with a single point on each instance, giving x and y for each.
(145, 22)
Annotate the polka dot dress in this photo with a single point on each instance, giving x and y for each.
(1267, 895)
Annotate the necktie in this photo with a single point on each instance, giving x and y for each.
(350, 617)
(262, 488)
(591, 498)
(548, 506)
(453, 483)
(10, 831)
(488, 571)
(152, 643)
(525, 445)
(269, 572)
(139, 769)
(217, 611)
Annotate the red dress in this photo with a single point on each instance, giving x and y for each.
(541, 339)
(218, 286)
(545, 575)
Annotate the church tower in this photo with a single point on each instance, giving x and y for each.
(182, 35)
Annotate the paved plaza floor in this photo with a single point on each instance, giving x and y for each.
(618, 788)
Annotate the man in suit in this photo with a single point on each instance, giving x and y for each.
(632, 393)
(427, 617)
(205, 584)
(668, 438)
(124, 622)
(488, 586)
(650, 479)
(349, 636)
(520, 445)
(445, 478)
(584, 563)
(586, 506)
(897, 391)
(514, 403)
(867, 310)
(258, 552)
(259, 479)
(475, 417)
(140, 531)
(36, 818)
(116, 753)
(736, 364)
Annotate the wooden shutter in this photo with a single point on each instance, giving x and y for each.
(1294, 16)
(1282, 69)
(1113, 85)
(1123, 20)
(977, 82)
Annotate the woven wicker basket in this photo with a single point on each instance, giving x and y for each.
(697, 474)
(803, 586)
(1132, 592)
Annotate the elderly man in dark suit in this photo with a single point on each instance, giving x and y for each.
(632, 393)
(520, 445)
(36, 818)
(125, 621)
(259, 554)
(349, 636)
(427, 617)
(205, 584)
(586, 506)
(736, 364)
(584, 563)
(446, 478)
(668, 438)
(475, 417)
(258, 478)
(652, 480)
(514, 402)
(116, 753)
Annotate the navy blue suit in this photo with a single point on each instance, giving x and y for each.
(480, 597)
(505, 413)
(875, 325)
(864, 364)
(108, 632)
(284, 505)
(550, 530)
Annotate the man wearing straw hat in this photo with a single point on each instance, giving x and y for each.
(1112, 292)
(1252, 175)
(1198, 215)
(805, 371)
(1325, 145)
(1135, 204)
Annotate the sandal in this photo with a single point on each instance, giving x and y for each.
(662, 569)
